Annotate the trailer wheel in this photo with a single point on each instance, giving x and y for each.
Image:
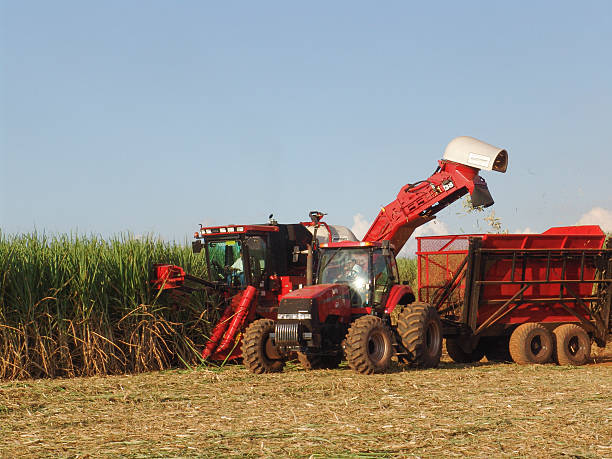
(315, 362)
(531, 343)
(259, 354)
(456, 352)
(496, 348)
(368, 345)
(420, 330)
(572, 345)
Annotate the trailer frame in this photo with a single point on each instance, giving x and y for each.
(570, 270)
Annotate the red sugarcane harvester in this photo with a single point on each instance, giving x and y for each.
(349, 310)
(251, 267)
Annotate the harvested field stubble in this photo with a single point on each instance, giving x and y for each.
(458, 410)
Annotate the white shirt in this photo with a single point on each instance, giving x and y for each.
(238, 266)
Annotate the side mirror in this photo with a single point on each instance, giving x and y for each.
(196, 246)
(386, 250)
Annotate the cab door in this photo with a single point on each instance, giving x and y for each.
(385, 275)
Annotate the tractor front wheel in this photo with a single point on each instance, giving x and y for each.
(420, 330)
(572, 345)
(259, 354)
(368, 345)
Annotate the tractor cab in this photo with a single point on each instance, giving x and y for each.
(367, 268)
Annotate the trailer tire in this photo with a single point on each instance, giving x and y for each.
(256, 350)
(496, 348)
(531, 343)
(456, 352)
(368, 345)
(317, 362)
(420, 330)
(572, 345)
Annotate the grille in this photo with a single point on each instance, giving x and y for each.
(287, 334)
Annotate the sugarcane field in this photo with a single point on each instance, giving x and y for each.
(339, 230)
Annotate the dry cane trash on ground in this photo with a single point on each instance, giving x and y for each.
(483, 410)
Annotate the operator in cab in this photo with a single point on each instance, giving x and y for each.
(237, 270)
(354, 274)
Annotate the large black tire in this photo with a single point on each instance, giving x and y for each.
(316, 362)
(459, 355)
(531, 343)
(420, 330)
(572, 345)
(258, 353)
(496, 348)
(368, 345)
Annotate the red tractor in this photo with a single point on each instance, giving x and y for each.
(352, 310)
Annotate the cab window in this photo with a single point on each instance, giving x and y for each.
(225, 262)
(257, 259)
(350, 267)
(385, 275)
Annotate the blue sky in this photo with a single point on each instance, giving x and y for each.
(156, 116)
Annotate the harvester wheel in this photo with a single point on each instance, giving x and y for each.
(315, 362)
(368, 345)
(459, 355)
(531, 343)
(572, 345)
(258, 353)
(420, 329)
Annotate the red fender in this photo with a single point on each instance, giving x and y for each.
(238, 320)
(218, 331)
(395, 296)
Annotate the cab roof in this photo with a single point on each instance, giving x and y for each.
(233, 229)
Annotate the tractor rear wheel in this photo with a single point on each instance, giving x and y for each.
(459, 355)
(316, 362)
(420, 330)
(531, 343)
(368, 345)
(572, 345)
(259, 354)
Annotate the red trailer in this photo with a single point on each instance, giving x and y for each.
(529, 297)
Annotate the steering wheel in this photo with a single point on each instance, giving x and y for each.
(221, 270)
